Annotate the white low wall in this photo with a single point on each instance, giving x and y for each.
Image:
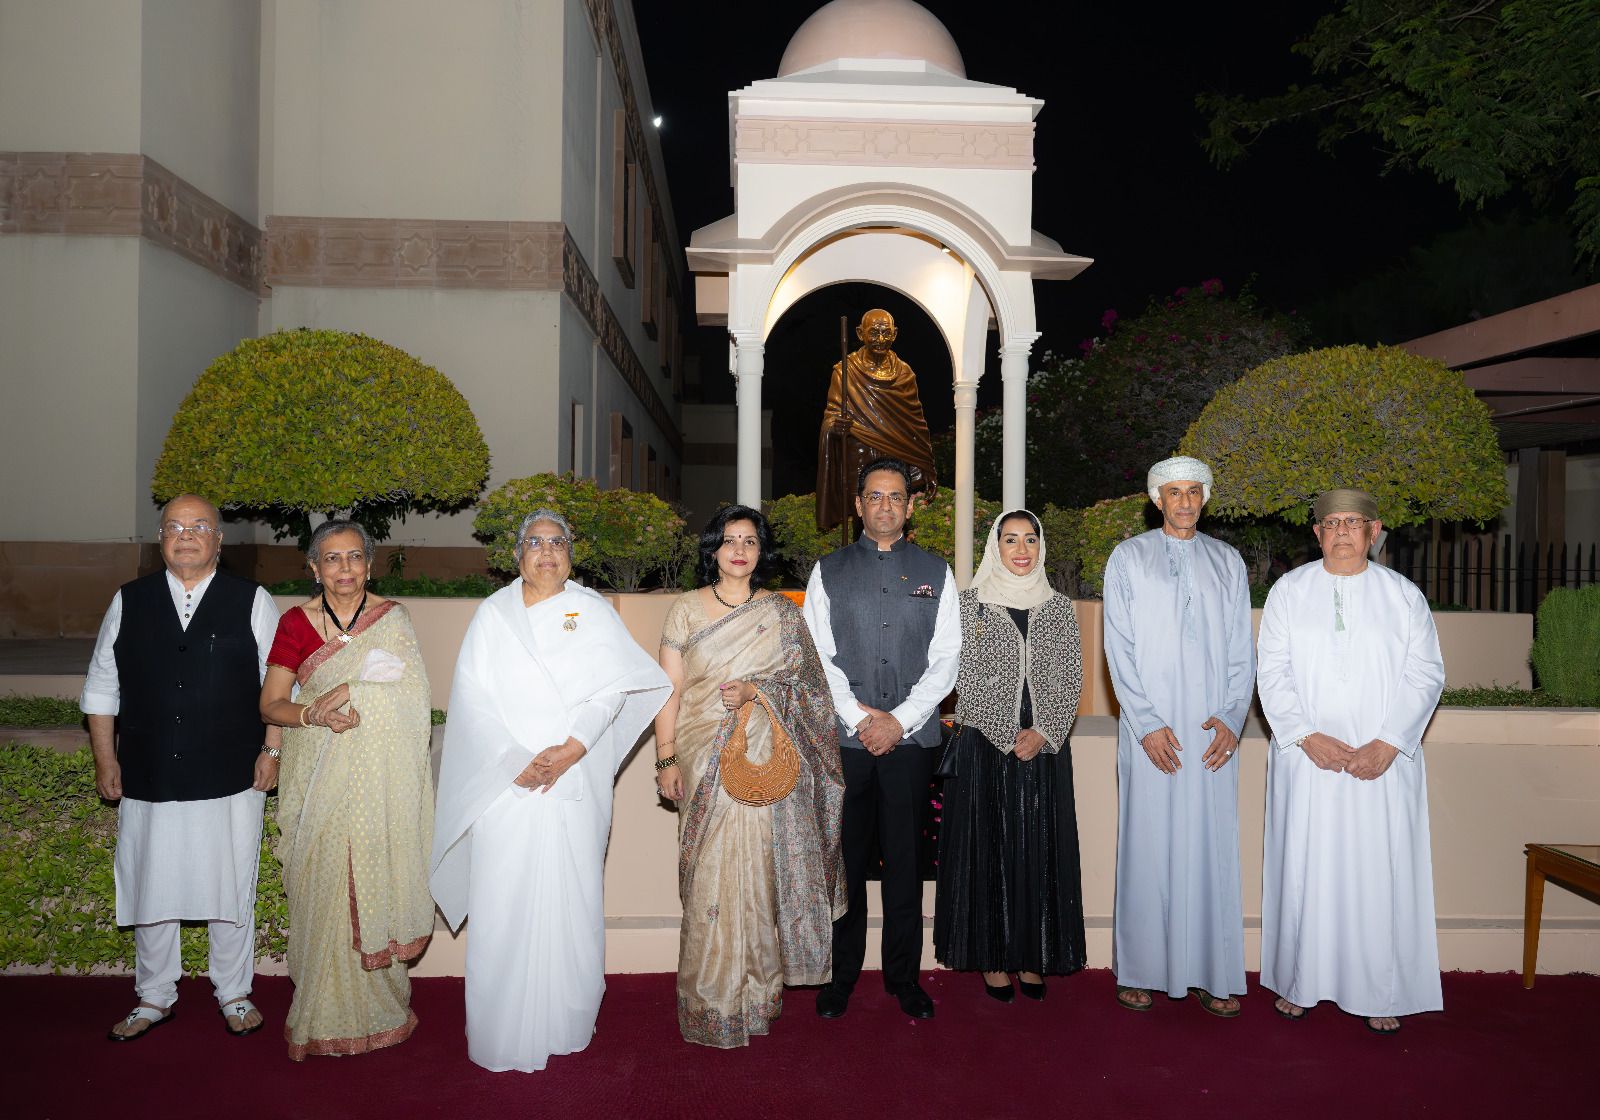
(1498, 779)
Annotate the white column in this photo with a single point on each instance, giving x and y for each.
(966, 415)
(1014, 423)
(749, 358)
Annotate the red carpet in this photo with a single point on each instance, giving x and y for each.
(1498, 1051)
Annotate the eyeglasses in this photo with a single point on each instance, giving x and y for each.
(878, 497)
(538, 543)
(1354, 524)
(179, 529)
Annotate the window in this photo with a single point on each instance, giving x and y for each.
(624, 195)
(650, 271)
(621, 473)
(576, 438)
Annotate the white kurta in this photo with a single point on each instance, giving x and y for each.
(194, 860)
(1347, 891)
(529, 867)
(1177, 639)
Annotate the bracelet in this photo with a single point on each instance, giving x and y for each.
(305, 715)
(663, 763)
(273, 753)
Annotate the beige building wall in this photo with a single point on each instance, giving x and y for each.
(70, 368)
(413, 109)
(70, 75)
(199, 113)
(104, 328)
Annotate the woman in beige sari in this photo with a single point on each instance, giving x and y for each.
(760, 884)
(355, 803)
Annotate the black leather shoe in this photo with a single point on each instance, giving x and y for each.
(1005, 993)
(1032, 991)
(832, 1001)
(913, 1000)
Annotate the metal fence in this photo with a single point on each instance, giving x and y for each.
(1483, 572)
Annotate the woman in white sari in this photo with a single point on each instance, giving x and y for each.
(550, 695)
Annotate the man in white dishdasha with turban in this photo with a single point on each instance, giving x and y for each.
(1350, 675)
(1177, 640)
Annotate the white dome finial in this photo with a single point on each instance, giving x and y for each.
(897, 29)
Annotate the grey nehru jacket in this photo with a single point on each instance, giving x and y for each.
(882, 609)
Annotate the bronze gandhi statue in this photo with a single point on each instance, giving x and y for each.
(873, 410)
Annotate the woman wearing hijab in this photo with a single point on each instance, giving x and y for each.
(1009, 895)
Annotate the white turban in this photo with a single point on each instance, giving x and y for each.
(1179, 468)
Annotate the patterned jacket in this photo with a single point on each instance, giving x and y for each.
(994, 658)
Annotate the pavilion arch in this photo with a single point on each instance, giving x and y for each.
(893, 169)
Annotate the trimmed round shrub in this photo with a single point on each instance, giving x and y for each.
(1566, 645)
(305, 421)
(1406, 429)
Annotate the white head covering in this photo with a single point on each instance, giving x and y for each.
(1179, 468)
(998, 584)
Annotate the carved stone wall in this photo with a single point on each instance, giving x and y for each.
(118, 194)
(901, 143)
(406, 253)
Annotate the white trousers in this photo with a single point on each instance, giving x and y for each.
(158, 961)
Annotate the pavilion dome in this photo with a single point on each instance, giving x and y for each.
(872, 29)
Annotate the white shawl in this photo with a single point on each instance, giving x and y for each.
(520, 679)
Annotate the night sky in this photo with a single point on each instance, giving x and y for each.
(1121, 176)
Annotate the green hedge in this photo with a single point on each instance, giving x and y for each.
(39, 711)
(1494, 696)
(57, 893)
(1566, 645)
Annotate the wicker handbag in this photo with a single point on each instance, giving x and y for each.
(743, 779)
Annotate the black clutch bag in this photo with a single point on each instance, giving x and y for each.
(949, 764)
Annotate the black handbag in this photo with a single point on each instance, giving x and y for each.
(949, 764)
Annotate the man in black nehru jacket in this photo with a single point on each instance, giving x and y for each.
(884, 618)
(179, 661)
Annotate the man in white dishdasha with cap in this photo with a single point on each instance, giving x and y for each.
(1350, 675)
(1178, 644)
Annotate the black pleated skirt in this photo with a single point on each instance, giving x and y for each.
(1010, 896)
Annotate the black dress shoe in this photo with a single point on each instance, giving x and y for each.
(913, 1000)
(1005, 993)
(1031, 990)
(832, 1001)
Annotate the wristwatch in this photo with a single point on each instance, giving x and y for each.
(273, 753)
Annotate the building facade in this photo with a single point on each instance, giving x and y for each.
(478, 183)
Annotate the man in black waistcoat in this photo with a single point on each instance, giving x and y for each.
(884, 618)
(173, 699)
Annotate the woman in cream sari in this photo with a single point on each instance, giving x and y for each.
(760, 884)
(355, 803)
